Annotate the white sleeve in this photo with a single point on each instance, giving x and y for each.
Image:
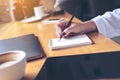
(109, 23)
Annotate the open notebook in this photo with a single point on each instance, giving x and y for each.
(28, 43)
(71, 42)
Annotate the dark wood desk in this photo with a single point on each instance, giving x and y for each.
(47, 31)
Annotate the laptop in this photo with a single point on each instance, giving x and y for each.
(28, 43)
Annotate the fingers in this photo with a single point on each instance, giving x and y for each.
(68, 32)
(60, 27)
(72, 30)
(69, 35)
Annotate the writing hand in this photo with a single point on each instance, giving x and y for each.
(76, 28)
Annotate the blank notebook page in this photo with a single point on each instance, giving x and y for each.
(71, 42)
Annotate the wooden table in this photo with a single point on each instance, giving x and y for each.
(47, 31)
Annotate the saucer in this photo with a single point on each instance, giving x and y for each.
(33, 18)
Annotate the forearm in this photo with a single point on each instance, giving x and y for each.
(88, 26)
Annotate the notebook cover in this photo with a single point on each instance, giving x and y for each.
(28, 43)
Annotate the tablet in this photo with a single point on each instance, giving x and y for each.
(94, 66)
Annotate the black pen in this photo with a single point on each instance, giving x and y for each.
(70, 21)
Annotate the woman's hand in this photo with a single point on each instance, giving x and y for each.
(75, 28)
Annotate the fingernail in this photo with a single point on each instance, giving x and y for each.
(65, 36)
(63, 33)
(70, 35)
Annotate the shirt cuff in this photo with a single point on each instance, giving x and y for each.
(100, 24)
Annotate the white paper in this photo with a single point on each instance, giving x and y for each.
(71, 42)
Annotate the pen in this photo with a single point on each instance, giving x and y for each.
(70, 21)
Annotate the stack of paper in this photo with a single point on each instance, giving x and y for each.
(71, 42)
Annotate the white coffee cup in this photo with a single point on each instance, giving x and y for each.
(38, 11)
(12, 65)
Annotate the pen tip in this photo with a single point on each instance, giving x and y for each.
(60, 38)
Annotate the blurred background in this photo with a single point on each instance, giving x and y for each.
(90, 8)
(20, 9)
